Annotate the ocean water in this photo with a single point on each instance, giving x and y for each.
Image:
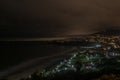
(16, 52)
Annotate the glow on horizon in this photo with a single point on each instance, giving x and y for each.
(35, 39)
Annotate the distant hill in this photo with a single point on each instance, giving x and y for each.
(109, 32)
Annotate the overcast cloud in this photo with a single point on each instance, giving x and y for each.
(58, 17)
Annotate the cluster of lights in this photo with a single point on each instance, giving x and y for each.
(67, 65)
(62, 66)
(91, 59)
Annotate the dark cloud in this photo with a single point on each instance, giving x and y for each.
(58, 17)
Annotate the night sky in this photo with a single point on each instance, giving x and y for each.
(41, 18)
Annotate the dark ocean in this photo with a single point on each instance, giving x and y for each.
(15, 52)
